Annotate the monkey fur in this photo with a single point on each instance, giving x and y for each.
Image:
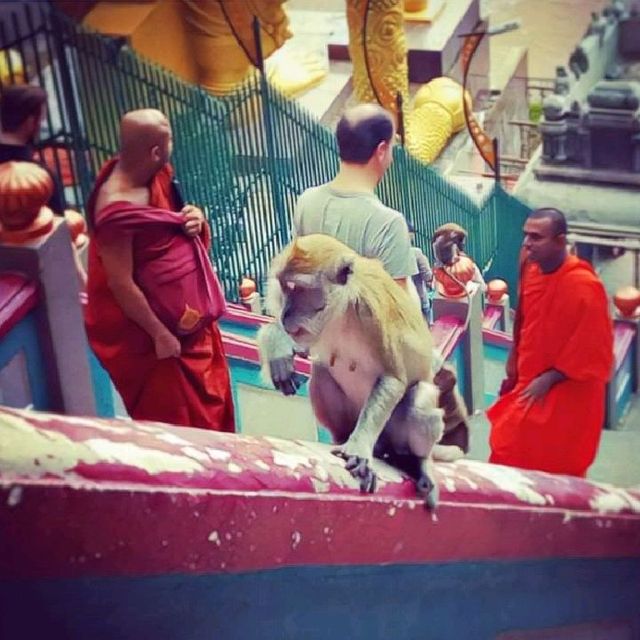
(448, 241)
(371, 381)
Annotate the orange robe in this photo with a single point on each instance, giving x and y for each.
(564, 324)
(192, 390)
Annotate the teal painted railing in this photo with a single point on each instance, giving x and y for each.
(244, 159)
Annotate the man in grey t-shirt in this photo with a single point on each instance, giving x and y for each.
(347, 208)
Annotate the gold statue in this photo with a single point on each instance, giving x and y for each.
(378, 51)
(221, 36)
(437, 114)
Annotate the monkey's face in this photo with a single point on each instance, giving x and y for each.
(309, 301)
(304, 303)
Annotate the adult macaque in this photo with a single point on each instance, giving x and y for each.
(371, 382)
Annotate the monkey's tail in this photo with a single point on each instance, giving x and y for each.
(466, 292)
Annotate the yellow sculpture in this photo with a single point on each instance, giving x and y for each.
(222, 40)
(378, 51)
(437, 114)
(11, 65)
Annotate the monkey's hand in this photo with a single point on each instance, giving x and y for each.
(276, 353)
(359, 468)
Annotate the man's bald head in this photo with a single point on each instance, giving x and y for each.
(361, 130)
(558, 221)
(145, 136)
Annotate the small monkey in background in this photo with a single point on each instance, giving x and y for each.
(371, 381)
(448, 242)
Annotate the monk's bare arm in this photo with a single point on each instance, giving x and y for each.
(538, 388)
(117, 258)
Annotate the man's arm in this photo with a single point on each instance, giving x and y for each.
(117, 258)
(538, 388)
(394, 250)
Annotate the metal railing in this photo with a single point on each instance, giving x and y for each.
(244, 158)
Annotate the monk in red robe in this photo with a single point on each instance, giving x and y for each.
(551, 411)
(160, 377)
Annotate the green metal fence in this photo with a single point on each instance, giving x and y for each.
(244, 159)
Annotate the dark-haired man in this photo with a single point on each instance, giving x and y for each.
(347, 208)
(551, 411)
(22, 107)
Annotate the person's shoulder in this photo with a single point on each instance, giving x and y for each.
(388, 218)
(580, 277)
(314, 192)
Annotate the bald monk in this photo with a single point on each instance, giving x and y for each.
(178, 377)
(550, 414)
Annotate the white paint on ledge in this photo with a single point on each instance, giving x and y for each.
(507, 479)
(614, 500)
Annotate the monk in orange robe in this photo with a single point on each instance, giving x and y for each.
(161, 377)
(551, 411)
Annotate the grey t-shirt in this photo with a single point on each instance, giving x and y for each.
(360, 221)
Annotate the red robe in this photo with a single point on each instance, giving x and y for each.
(192, 390)
(564, 324)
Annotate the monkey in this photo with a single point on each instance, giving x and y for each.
(448, 241)
(371, 381)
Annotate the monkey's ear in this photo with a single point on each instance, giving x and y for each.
(343, 271)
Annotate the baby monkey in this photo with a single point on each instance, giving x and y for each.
(371, 380)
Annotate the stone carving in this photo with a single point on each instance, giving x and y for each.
(603, 133)
(597, 27)
(554, 128)
(562, 82)
(578, 62)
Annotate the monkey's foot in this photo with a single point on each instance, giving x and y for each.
(429, 490)
(359, 468)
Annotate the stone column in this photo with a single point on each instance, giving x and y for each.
(49, 260)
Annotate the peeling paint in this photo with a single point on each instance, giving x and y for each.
(217, 454)
(261, 464)
(171, 438)
(614, 501)
(192, 452)
(232, 467)
(507, 479)
(215, 538)
(473, 485)
(296, 537)
(151, 460)
(321, 473)
(391, 511)
(290, 460)
(15, 496)
(22, 444)
(450, 485)
(319, 486)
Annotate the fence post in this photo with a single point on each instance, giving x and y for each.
(79, 142)
(272, 160)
